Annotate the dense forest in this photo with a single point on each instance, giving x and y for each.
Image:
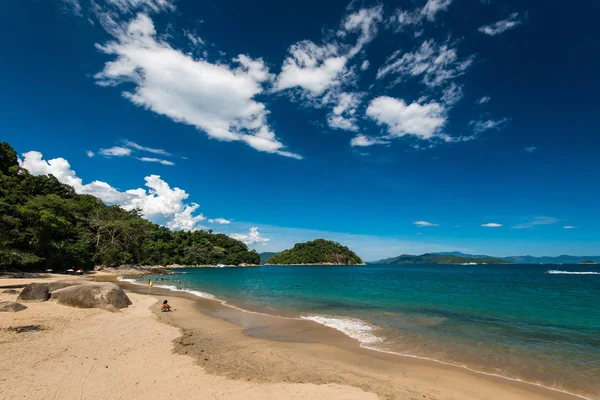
(316, 252)
(440, 259)
(45, 224)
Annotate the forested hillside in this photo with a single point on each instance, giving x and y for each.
(318, 251)
(45, 224)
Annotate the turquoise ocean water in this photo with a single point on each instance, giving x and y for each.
(515, 320)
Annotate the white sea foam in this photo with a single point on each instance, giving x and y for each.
(573, 272)
(172, 288)
(129, 280)
(353, 327)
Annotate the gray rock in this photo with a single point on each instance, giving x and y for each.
(11, 306)
(54, 286)
(92, 295)
(10, 291)
(34, 292)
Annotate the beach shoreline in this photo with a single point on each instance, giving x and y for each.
(239, 346)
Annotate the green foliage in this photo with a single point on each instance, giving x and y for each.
(440, 259)
(265, 257)
(316, 252)
(45, 224)
(8, 158)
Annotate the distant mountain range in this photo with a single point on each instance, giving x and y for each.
(437, 258)
(564, 259)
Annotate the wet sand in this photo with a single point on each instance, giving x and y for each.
(252, 346)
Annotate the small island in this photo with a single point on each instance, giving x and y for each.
(440, 259)
(316, 252)
(588, 262)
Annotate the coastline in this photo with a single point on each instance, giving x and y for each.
(247, 355)
(261, 326)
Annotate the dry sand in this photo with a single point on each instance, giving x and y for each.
(141, 353)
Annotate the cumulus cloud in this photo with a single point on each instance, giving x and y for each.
(158, 202)
(436, 64)
(156, 160)
(365, 65)
(501, 26)
(317, 73)
(424, 223)
(217, 99)
(90, 153)
(536, 221)
(421, 120)
(116, 151)
(343, 114)
(479, 126)
(221, 221)
(252, 237)
(491, 225)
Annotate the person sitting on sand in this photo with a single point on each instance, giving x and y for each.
(165, 307)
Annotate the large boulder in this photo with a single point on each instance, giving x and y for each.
(11, 306)
(54, 286)
(34, 292)
(92, 295)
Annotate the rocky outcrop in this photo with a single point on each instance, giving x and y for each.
(92, 295)
(11, 306)
(34, 292)
(10, 291)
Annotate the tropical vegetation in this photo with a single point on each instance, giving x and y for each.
(44, 224)
(318, 251)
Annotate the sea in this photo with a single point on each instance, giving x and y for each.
(535, 323)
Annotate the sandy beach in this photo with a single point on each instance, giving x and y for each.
(210, 351)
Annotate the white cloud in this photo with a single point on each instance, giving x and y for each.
(569, 227)
(501, 26)
(90, 153)
(452, 94)
(424, 223)
(342, 115)
(221, 221)
(433, 7)
(156, 160)
(318, 73)
(484, 100)
(252, 237)
(491, 225)
(130, 6)
(403, 19)
(365, 65)
(116, 151)
(437, 64)
(361, 140)
(530, 149)
(421, 120)
(481, 126)
(136, 146)
(194, 39)
(311, 67)
(536, 221)
(217, 99)
(159, 202)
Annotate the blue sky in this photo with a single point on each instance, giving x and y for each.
(393, 127)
